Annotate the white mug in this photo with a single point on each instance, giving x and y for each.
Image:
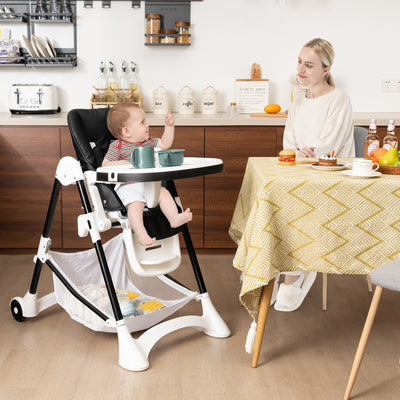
(364, 167)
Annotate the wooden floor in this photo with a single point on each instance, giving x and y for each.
(306, 354)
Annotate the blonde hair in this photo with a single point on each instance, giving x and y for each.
(324, 50)
(118, 117)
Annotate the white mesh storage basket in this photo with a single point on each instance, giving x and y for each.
(82, 270)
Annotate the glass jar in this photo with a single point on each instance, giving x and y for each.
(168, 35)
(183, 30)
(186, 100)
(209, 100)
(160, 100)
(152, 27)
(232, 109)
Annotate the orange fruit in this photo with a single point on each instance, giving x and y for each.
(377, 154)
(272, 108)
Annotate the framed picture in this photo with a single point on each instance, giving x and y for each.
(252, 95)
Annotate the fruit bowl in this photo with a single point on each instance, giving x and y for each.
(389, 169)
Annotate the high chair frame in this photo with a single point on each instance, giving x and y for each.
(90, 181)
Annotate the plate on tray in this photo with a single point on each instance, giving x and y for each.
(338, 167)
(50, 48)
(29, 47)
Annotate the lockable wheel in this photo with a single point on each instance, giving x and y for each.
(16, 311)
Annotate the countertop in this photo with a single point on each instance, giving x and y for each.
(197, 119)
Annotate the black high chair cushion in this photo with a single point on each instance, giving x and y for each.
(91, 139)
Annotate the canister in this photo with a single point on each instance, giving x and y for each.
(209, 100)
(183, 30)
(160, 100)
(186, 100)
(168, 35)
(152, 27)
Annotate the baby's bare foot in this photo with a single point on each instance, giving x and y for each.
(145, 239)
(181, 218)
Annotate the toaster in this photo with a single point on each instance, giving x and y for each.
(33, 99)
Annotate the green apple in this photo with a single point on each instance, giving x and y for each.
(390, 157)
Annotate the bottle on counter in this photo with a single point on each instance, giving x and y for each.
(371, 140)
(390, 140)
(133, 82)
(111, 82)
(101, 85)
(124, 82)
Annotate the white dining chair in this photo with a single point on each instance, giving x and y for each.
(385, 277)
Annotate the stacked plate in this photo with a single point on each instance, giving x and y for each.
(38, 47)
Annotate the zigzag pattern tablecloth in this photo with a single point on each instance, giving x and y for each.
(290, 218)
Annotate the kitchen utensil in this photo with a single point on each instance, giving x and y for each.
(171, 157)
(33, 99)
(277, 115)
(337, 167)
(363, 167)
(351, 173)
(29, 47)
(50, 48)
(143, 157)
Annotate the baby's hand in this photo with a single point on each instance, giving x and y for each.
(169, 119)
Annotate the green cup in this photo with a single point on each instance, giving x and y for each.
(143, 157)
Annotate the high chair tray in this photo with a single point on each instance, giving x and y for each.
(191, 167)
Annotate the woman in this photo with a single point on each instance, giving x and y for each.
(318, 122)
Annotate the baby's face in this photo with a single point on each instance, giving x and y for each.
(137, 129)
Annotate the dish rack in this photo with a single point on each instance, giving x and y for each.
(106, 98)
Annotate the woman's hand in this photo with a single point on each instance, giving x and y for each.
(307, 152)
(169, 119)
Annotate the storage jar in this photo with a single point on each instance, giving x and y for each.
(152, 27)
(160, 100)
(183, 30)
(209, 100)
(186, 100)
(168, 35)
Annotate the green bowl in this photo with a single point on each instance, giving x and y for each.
(171, 157)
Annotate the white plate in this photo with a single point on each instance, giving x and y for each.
(338, 167)
(374, 174)
(28, 45)
(40, 45)
(49, 47)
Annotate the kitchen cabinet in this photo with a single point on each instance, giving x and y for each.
(23, 12)
(233, 145)
(28, 160)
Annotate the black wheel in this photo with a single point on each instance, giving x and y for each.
(16, 311)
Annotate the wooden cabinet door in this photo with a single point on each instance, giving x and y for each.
(190, 190)
(28, 162)
(233, 145)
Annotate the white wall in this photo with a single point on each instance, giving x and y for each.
(228, 36)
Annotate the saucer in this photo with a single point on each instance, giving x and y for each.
(339, 166)
(374, 174)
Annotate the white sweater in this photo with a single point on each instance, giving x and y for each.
(325, 123)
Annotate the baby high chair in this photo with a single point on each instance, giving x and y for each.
(103, 210)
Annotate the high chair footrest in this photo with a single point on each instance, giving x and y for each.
(158, 261)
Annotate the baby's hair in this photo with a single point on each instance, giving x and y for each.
(118, 116)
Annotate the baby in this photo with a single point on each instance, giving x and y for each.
(127, 122)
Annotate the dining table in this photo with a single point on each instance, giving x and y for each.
(305, 217)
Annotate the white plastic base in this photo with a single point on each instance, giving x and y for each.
(133, 353)
(32, 306)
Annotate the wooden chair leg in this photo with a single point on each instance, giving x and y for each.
(324, 290)
(369, 283)
(262, 319)
(363, 340)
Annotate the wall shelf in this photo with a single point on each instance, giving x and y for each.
(23, 12)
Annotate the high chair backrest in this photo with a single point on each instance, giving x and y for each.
(91, 138)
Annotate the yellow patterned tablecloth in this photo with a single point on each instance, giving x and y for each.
(290, 218)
